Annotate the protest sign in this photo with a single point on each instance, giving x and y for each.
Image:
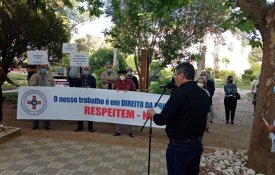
(37, 57)
(87, 104)
(69, 48)
(79, 59)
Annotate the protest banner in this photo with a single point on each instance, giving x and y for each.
(79, 59)
(69, 48)
(37, 57)
(87, 104)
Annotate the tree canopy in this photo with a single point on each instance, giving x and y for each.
(165, 29)
(27, 25)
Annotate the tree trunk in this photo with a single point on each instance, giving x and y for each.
(260, 157)
(201, 63)
(116, 58)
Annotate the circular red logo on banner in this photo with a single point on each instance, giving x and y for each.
(34, 102)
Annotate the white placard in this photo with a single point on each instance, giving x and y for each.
(87, 104)
(37, 57)
(69, 48)
(79, 59)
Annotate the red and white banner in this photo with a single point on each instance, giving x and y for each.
(100, 105)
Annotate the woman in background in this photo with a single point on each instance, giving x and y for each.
(201, 82)
(230, 101)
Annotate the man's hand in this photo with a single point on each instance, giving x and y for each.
(151, 113)
(271, 128)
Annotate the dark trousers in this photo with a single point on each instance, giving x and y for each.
(74, 82)
(230, 104)
(80, 125)
(184, 158)
(1, 103)
(35, 123)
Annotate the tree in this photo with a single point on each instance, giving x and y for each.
(164, 28)
(76, 12)
(225, 61)
(263, 14)
(256, 55)
(99, 58)
(89, 43)
(29, 25)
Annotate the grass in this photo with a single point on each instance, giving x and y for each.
(11, 97)
(20, 79)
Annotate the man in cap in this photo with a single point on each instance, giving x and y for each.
(126, 84)
(108, 77)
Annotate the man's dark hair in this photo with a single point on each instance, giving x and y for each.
(187, 69)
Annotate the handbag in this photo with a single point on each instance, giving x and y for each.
(237, 96)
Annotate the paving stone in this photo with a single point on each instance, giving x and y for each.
(44, 156)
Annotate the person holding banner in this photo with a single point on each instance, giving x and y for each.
(3, 78)
(184, 115)
(87, 81)
(126, 84)
(42, 78)
(73, 76)
(108, 77)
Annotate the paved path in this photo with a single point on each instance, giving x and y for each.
(26, 156)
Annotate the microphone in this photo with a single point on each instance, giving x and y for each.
(169, 85)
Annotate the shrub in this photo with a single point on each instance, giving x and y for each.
(223, 74)
(164, 77)
(11, 97)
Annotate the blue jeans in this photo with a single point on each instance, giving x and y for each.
(184, 158)
(36, 123)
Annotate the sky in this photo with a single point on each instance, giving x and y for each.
(95, 27)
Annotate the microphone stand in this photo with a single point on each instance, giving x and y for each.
(150, 131)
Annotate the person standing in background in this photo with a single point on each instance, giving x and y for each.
(210, 84)
(230, 101)
(73, 76)
(42, 78)
(132, 77)
(202, 84)
(87, 81)
(254, 91)
(124, 84)
(108, 77)
(31, 69)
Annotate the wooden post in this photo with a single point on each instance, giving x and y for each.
(144, 71)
